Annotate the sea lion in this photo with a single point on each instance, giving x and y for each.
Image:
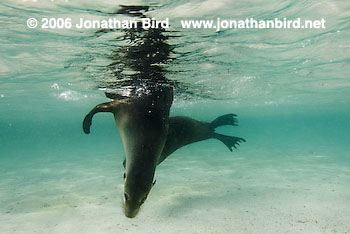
(143, 126)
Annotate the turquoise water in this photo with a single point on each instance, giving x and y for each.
(290, 89)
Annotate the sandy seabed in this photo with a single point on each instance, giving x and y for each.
(240, 193)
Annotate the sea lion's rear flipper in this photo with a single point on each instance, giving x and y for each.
(229, 119)
(229, 141)
(104, 107)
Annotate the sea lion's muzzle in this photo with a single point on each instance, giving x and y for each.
(132, 207)
(130, 212)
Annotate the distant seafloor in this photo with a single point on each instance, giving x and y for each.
(291, 176)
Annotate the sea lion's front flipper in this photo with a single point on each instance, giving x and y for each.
(104, 107)
(229, 119)
(229, 141)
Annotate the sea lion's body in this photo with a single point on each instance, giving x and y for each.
(143, 126)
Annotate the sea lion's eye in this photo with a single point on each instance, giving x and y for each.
(126, 196)
(143, 200)
(124, 175)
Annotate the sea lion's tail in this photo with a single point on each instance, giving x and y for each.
(229, 141)
(229, 119)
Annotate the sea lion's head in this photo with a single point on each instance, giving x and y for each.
(136, 190)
